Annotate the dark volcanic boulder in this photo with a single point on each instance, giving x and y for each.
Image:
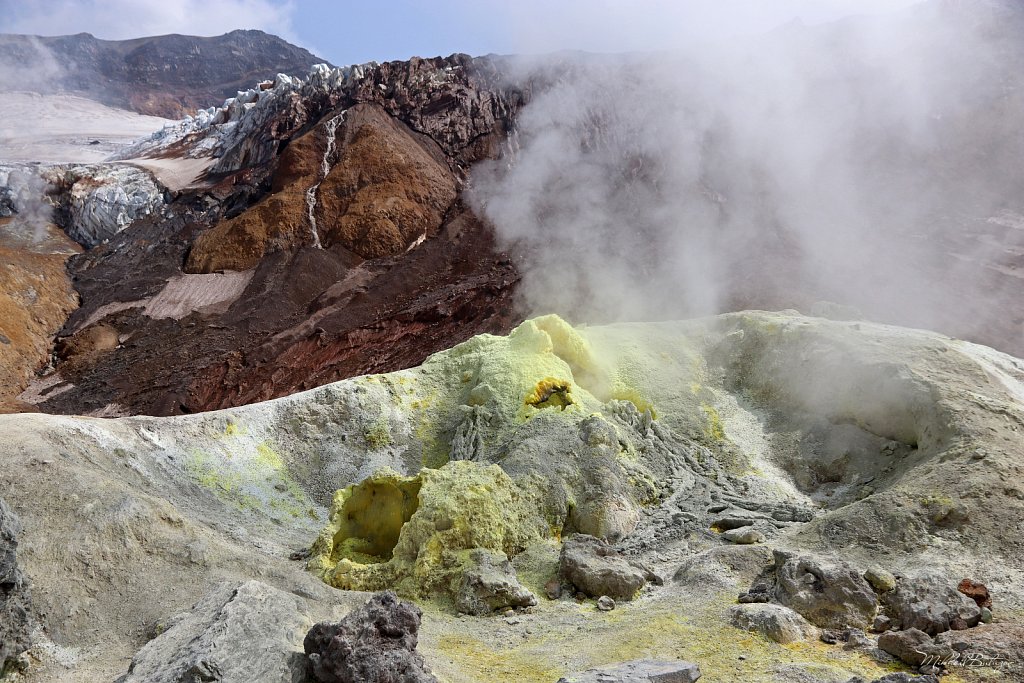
(15, 624)
(914, 647)
(374, 644)
(932, 604)
(830, 595)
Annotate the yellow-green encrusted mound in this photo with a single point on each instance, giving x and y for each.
(414, 534)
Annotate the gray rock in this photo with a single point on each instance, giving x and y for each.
(986, 615)
(913, 647)
(881, 580)
(829, 595)
(374, 644)
(881, 623)
(490, 584)
(743, 536)
(597, 569)
(902, 677)
(605, 604)
(639, 671)
(856, 640)
(241, 633)
(15, 621)
(774, 622)
(931, 604)
(725, 566)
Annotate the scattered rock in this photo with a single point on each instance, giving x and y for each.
(246, 632)
(930, 604)
(902, 677)
(986, 615)
(553, 589)
(856, 640)
(15, 623)
(829, 595)
(597, 569)
(374, 644)
(774, 622)
(730, 523)
(605, 604)
(913, 646)
(490, 585)
(880, 579)
(639, 671)
(881, 623)
(976, 591)
(744, 536)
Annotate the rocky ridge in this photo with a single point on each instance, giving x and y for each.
(167, 76)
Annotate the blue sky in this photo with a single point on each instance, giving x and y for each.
(346, 32)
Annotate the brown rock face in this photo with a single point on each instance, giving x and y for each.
(396, 268)
(36, 298)
(389, 188)
(976, 591)
(385, 187)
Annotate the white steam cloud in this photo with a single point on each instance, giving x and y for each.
(857, 162)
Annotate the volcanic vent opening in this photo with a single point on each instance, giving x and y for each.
(372, 519)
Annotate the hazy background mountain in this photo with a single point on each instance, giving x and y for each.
(167, 76)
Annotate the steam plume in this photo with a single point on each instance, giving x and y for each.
(865, 162)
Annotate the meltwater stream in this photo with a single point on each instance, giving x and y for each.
(325, 167)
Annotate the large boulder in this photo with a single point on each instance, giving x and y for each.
(639, 671)
(374, 644)
(931, 604)
(774, 622)
(235, 633)
(597, 569)
(828, 594)
(490, 584)
(914, 647)
(15, 622)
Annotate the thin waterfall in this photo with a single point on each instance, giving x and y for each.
(325, 168)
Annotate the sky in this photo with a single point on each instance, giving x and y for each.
(348, 32)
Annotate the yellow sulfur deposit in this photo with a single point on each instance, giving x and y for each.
(414, 533)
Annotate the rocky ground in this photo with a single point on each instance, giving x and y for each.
(696, 448)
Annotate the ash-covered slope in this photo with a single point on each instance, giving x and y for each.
(167, 76)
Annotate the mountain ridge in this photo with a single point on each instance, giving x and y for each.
(172, 75)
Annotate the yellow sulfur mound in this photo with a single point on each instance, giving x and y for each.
(413, 534)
